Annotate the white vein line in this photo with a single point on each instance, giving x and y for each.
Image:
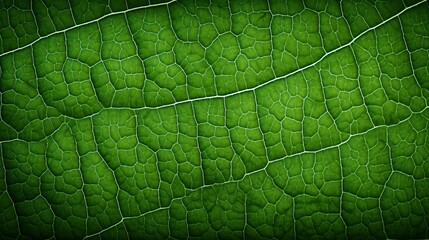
(284, 76)
(86, 23)
(236, 181)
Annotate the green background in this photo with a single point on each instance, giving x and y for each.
(214, 119)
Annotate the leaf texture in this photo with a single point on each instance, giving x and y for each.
(214, 119)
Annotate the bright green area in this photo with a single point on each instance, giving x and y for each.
(214, 119)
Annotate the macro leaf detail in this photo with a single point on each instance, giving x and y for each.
(214, 119)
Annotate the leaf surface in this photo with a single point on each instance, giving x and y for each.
(214, 119)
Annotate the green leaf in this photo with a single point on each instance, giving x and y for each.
(214, 119)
